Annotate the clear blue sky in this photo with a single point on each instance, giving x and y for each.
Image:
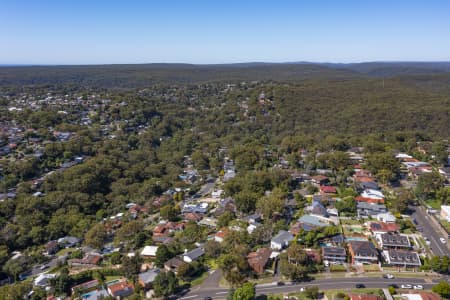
(213, 31)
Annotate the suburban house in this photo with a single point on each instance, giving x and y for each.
(149, 251)
(421, 295)
(326, 189)
(386, 217)
(259, 259)
(51, 248)
(365, 209)
(85, 286)
(89, 260)
(393, 241)
(362, 252)
(281, 240)
(334, 254)
(190, 256)
(121, 289)
(146, 279)
(173, 264)
(445, 212)
(382, 227)
(319, 180)
(43, 280)
(310, 222)
(402, 258)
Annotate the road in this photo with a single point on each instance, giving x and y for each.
(323, 284)
(431, 230)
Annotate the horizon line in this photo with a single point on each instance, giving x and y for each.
(221, 64)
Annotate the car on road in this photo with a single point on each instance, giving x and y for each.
(302, 289)
(406, 286)
(43, 267)
(207, 298)
(280, 283)
(443, 241)
(418, 287)
(360, 286)
(388, 276)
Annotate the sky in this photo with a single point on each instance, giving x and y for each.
(213, 31)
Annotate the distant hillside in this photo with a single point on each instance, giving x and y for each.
(132, 76)
(390, 69)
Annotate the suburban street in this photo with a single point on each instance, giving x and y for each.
(324, 284)
(431, 230)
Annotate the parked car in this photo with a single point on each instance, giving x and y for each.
(280, 283)
(443, 241)
(406, 286)
(418, 287)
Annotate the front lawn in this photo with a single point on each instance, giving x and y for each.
(338, 268)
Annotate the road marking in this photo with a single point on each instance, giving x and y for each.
(218, 293)
(189, 297)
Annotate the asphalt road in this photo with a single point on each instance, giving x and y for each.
(324, 284)
(431, 231)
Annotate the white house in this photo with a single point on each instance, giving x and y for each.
(149, 251)
(445, 212)
(281, 240)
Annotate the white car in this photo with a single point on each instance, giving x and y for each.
(302, 289)
(418, 287)
(443, 241)
(389, 276)
(406, 286)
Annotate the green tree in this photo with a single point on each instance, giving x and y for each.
(442, 288)
(163, 254)
(96, 236)
(165, 284)
(234, 267)
(169, 212)
(245, 292)
(131, 266)
(225, 219)
(271, 204)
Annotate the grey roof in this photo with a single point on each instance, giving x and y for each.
(312, 220)
(395, 240)
(334, 251)
(402, 258)
(149, 276)
(363, 248)
(194, 253)
(283, 237)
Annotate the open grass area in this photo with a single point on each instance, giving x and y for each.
(371, 268)
(110, 278)
(446, 225)
(436, 204)
(65, 251)
(350, 222)
(338, 268)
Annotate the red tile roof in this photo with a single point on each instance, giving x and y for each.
(368, 200)
(328, 189)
